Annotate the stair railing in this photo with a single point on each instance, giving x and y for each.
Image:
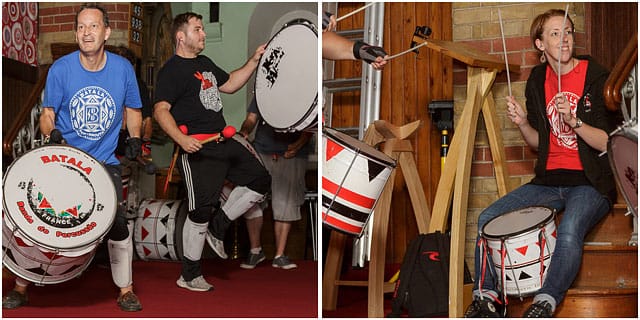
(24, 134)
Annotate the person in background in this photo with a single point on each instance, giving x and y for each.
(284, 154)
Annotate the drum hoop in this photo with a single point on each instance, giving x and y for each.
(313, 108)
(388, 162)
(522, 232)
(46, 246)
(300, 124)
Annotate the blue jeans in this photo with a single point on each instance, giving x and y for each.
(583, 207)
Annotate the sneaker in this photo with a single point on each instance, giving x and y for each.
(252, 260)
(217, 245)
(197, 284)
(284, 263)
(129, 302)
(485, 308)
(14, 299)
(539, 309)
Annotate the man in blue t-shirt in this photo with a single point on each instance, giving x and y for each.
(86, 95)
(284, 154)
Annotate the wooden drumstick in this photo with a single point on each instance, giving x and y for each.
(405, 52)
(354, 12)
(564, 21)
(504, 47)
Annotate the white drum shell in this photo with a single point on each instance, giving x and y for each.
(346, 179)
(158, 229)
(521, 231)
(58, 205)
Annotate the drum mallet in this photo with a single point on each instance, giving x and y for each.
(226, 133)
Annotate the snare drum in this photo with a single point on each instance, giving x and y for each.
(353, 177)
(622, 149)
(286, 85)
(59, 203)
(521, 244)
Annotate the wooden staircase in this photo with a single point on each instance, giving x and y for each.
(607, 284)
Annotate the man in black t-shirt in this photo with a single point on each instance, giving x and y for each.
(189, 109)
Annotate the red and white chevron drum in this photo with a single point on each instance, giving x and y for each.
(521, 244)
(58, 204)
(158, 229)
(353, 177)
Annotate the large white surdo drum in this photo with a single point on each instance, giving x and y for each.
(521, 244)
(622, 149)
(286, 86)
(353, 177)
(59, 203)
(158, 229)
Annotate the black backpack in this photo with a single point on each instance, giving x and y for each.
(423, 286)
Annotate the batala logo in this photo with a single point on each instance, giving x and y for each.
(43, 202)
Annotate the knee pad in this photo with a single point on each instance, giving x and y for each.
(240, 200)
(121, 257)
(193, 237)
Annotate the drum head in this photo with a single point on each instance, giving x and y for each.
(358, 146)
(517, 222)
(59, 197)
(623, 156)
(286, 85)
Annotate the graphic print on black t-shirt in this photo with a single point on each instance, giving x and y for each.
(209, 93)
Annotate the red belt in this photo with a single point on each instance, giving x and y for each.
(203, 136)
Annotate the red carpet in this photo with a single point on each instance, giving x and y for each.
(262, 292)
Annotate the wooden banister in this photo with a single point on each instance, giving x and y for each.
(24, 114)
(620, 73)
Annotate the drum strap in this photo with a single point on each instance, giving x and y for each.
(121, 257)
(193, 239)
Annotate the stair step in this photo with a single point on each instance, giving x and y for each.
(588, 302)
(608, 266)
(615, 228)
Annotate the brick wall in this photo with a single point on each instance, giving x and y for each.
(478, 25)
(57, 22)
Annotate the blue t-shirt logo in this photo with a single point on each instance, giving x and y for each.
(92, 112)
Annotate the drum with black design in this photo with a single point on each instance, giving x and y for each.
(58, 205)
(158, 229)
(622, 149)
(353, 177)
(286, 86)
(521, 244)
